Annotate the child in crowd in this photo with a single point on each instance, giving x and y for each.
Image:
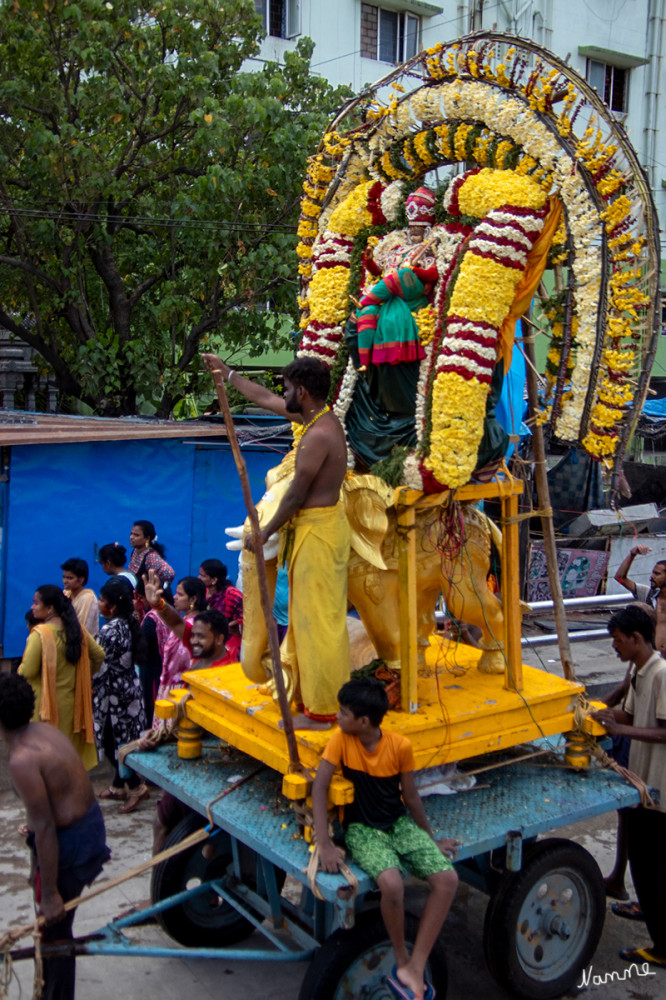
(382, 839)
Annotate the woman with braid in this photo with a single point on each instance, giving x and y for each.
(58, 661)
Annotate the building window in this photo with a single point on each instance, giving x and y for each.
(610, 82)
(282, 18)
(389, 35)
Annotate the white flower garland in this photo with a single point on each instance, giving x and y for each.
(391, 200)
(343, 402)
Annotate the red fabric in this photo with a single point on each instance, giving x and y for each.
(395, 353)
(428, 275)
(392, 282)
(319, 718)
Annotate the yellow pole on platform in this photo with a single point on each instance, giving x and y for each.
(406, 517)
(513, 672)
(547, 527)
(266, 607)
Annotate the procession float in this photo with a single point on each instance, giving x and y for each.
(436, 203)
(441, 200)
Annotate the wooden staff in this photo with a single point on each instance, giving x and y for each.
(547, 527)
(266, 607)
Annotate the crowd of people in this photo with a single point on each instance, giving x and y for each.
(84, 690)
(97, 664)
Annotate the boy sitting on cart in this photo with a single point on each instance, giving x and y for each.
(382, 839)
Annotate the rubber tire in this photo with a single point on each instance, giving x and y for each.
(502, 937)
(325, 978)
(193, 924)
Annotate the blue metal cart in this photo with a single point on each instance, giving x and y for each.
(547, 899)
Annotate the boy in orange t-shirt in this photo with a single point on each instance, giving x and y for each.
(381, 837)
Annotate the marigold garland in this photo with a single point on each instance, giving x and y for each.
(460, 407)
(459, 117)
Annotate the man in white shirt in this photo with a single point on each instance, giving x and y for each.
(643, 720)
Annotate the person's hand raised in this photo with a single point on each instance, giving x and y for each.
(153, 587)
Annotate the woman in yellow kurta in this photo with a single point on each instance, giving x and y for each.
(57, 662)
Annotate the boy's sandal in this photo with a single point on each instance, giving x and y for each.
(135, 798)
(630, 911)
(119, 794)
(640, 955)
(404, 992)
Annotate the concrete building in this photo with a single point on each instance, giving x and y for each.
(618, 47)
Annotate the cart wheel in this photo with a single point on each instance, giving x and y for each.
(544, 922)
(205, 921)
(355, 963)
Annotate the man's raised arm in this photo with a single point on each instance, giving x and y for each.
(257, 394)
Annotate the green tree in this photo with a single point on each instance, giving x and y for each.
(149, 189)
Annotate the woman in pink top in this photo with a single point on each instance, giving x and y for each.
(189, 600)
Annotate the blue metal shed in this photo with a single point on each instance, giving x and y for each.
(71, 484)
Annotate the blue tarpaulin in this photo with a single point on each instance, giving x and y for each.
(512, 404)
(655, 409)
(67, 500)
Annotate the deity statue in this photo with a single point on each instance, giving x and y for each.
(383, 335)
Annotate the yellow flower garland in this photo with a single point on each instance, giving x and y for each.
(352, 215)
(329, 302)
(484, 290)
(491, 188)
(459, 408)
(426, 322)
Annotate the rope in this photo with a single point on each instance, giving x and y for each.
(10, 937)
(313, 868)
(163, 734)
(581, 713)
(305, 817)
(533, 512)
(38, 977)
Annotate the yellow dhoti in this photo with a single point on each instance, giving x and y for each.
(315, 651)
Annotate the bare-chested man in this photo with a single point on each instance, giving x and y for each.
(316, 648)
(655, 594)
(66, 829)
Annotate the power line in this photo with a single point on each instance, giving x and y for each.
(163, 222)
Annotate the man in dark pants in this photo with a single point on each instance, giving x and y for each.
(643, 720)
(67, 835)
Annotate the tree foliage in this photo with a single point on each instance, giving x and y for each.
(149, 188)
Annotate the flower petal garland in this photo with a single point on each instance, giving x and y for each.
(480, 301)
(516, 114)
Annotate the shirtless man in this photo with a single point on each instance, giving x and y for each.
(66, 829)
(316, 648)
(654, 595)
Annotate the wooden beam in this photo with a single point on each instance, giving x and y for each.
(406, 516)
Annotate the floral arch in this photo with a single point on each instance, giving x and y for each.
(550, 177)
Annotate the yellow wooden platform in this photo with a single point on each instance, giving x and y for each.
(462, 713)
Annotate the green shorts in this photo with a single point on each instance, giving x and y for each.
(405, 846)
